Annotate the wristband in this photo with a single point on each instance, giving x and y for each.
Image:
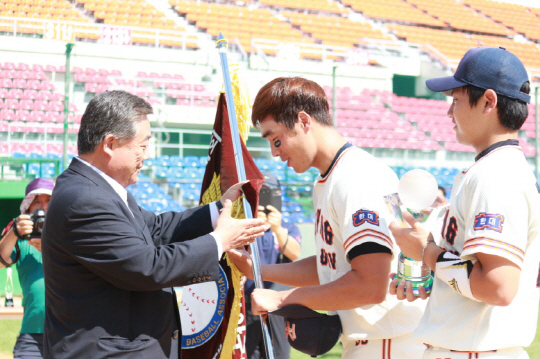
(455, 272)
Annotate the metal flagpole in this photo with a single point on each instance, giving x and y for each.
(222, 44)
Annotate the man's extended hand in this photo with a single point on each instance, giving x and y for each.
(235, 233)
(233, 192)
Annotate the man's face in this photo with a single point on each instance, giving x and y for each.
(468, 125)
(40, 202)
(289, 145)
(129, 156)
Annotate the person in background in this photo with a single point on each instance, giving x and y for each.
(281, 243)
(17, 247)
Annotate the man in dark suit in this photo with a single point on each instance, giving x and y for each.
(110, 265)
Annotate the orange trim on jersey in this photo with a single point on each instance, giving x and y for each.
(476, 239)
(335, 163)
(492, 152)
(367, 233)
(495, 247)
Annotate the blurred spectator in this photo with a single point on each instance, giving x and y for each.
(17, 248)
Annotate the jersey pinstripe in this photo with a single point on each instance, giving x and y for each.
(494, 209)
(350, 210)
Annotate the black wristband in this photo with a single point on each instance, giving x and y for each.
(219, 205)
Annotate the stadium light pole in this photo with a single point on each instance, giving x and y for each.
(67, 81)
(334, 68)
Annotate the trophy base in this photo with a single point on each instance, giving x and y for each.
(427, 284)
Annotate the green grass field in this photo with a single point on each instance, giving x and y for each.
(9, 329)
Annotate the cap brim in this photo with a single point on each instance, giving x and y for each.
(296, 311)
(444, 84)
(40, 191)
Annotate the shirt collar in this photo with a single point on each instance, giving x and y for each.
(117, 187)
(343, 148)
(496, 145)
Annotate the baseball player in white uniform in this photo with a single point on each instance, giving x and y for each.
(484, 302)
(355, 250)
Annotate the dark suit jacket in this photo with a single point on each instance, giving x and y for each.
(108, 273)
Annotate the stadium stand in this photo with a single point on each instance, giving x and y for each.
(238, 22)
(401, 127)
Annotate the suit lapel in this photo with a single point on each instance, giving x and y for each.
(137, 218)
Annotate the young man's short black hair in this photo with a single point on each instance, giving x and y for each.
(512, 112)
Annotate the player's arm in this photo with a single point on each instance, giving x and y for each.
(9, 238)
(296, 274)
(491, 279)
(366, 283)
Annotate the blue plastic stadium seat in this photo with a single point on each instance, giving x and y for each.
(192, 161)
(176, 161)
(162, 161)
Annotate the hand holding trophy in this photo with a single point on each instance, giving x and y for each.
(417, 190)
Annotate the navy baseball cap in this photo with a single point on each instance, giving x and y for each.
(308, 331)
(487, 68)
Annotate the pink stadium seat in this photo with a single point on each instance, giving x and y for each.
(178, 77)
(7, 114)
(50, 68)
(40, 105)
(20, 84)
(103, 72)
(56, 106)
(12, 103)
(116, 73)
(37, 67)
(22, 67)
(90, 71)
(154, 75)
(90, 87)
(142, 74)
(26, 105)
(166, 76)
(23, 115)
(8, 65)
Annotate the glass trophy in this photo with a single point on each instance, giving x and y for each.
(410, 270)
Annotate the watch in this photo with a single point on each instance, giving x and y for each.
(219, 205)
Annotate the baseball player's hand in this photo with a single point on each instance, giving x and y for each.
(412, 240)
(233, 192)
(242, 260)
(24, 224)
(235, 233)
(405, 290)
(265, 300)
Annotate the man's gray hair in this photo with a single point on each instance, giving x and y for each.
(116, 113)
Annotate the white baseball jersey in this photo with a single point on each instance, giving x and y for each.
(494, 209)
(350, 210)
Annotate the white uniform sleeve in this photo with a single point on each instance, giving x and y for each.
(363, 214)
(496, 219)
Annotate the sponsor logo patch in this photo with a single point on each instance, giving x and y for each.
(362, 216)
(488, 221)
